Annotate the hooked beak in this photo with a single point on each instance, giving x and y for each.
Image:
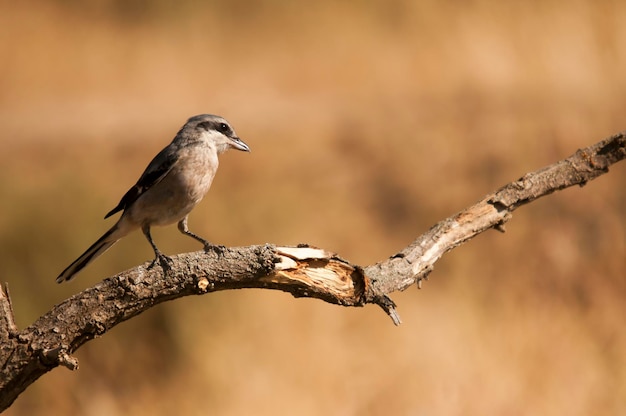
(238, 144)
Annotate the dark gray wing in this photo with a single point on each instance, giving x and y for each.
(156, 170)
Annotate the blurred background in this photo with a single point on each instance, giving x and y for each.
(368, 122)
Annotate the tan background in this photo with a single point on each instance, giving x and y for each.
(368, 122)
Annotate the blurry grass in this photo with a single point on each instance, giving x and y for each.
(368, 123)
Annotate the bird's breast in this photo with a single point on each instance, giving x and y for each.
(193, 173)
(172, 198)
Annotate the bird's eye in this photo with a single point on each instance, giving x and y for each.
(223, 128)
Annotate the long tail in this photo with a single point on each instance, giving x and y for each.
(103, 244)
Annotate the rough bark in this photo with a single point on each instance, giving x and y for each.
(303, 271)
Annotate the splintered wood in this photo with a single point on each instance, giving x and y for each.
(319, 271)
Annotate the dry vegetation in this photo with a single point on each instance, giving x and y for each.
(368, 123)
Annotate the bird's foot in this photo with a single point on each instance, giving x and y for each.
(217, 249)
(163, 261)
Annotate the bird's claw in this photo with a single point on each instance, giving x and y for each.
(217, 249)
(163, 261)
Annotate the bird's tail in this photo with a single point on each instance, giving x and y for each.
(103, 244)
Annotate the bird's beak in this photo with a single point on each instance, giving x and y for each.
(238, 144)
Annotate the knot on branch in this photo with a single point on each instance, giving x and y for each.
(613, 148)
(58, 356)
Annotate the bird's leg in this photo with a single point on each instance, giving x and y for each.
(182, 227)
(163, 260)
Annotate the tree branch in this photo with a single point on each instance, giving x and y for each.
(302, 271)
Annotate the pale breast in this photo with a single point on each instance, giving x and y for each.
(195, 171)
(180, 190)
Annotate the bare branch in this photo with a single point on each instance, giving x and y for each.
(302, 271)
(416, 261)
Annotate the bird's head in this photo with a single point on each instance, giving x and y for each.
(215, 130)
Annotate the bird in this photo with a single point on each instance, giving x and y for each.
(173, 183)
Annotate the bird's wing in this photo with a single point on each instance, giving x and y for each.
(158, 168)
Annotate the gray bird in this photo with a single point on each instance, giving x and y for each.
(170, 187)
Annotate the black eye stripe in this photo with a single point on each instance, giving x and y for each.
(221, 127)
(224, 128)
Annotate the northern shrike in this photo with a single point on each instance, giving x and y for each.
(170, 187)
